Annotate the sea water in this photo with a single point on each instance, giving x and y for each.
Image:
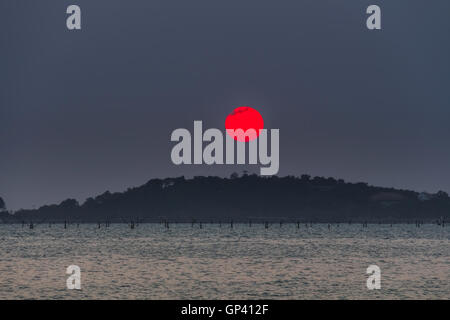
(220, 262)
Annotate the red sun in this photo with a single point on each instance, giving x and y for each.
(243, 118)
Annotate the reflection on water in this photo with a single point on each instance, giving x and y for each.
(151, 262)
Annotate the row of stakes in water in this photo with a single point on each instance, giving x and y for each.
(132, 224)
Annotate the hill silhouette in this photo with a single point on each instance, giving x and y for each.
(248, 197)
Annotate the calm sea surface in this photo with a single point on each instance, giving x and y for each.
(151, 262)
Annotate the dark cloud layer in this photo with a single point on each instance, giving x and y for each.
(86, 111)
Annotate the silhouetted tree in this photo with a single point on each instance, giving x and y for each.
(2, 204)
(69, 204)
(442, 195)
(305, 177)
(234, 175)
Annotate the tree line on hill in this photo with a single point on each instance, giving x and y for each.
(246, 197)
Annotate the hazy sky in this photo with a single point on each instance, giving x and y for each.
(86, 111)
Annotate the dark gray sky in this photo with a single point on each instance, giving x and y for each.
(86, 111)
